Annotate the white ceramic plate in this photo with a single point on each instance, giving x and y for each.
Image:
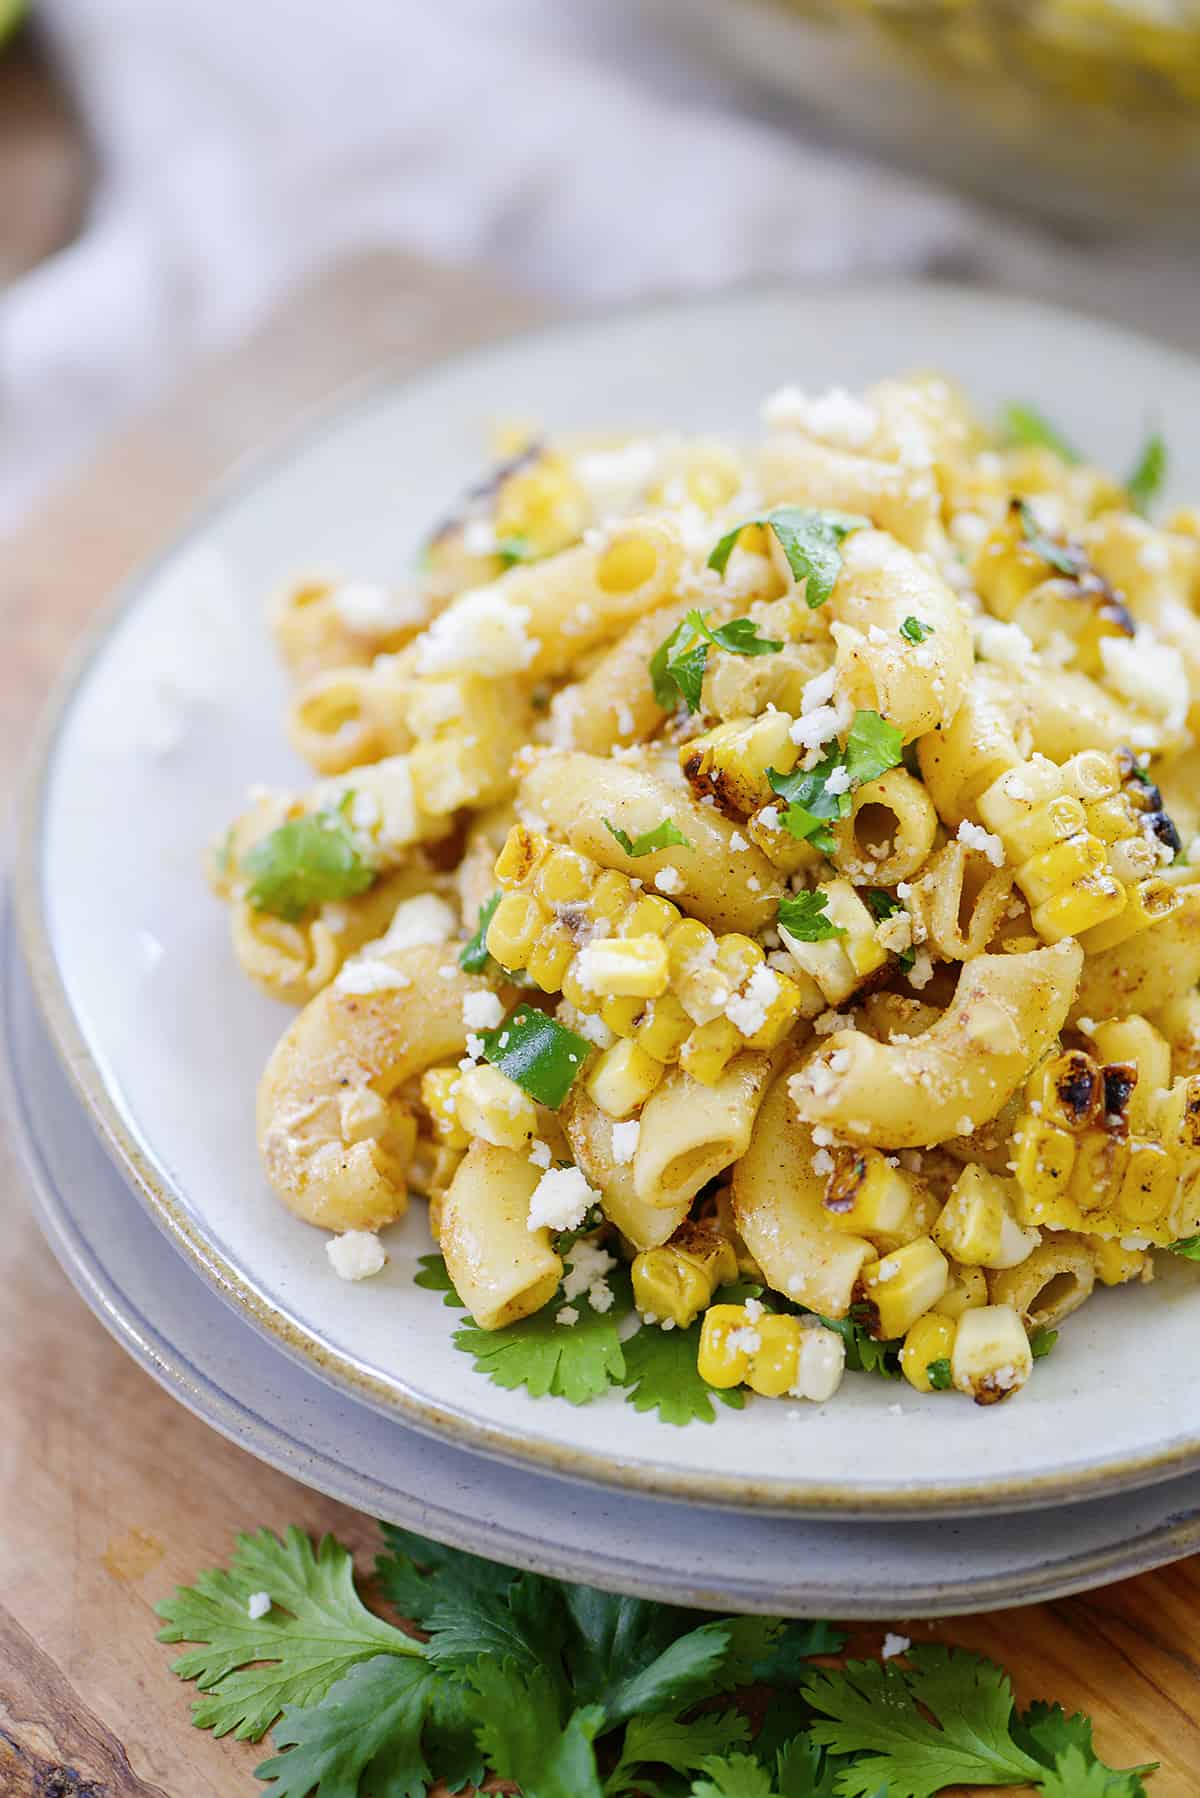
(176, 709)
(270, 1405)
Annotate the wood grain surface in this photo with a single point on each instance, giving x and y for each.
(110, 1493)
(44, 168)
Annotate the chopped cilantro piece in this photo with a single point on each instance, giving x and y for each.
(802, 915)
(473, 956)
(863, 1353)
(367, 1729)
(576, 1361)
(810, 805)
(666, 835)
(740, 637)
(881, 904)
(660, 1371)
(1148, 473)
(1041, 1343)
(538, 1052)
(1061, 556)
(512, 550)
(811, 540)
(938, 1374)
(1187, 1246)
(307, 862)
(678, 664)
(434, 1277)
(915, 630)
(1023, 427)
(872, 747)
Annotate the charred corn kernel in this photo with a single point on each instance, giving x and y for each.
(1107, 819)
(622, 1078)
(991, 1358)
(904, 1284)
(438, 1089)
(727, 1340)
(1110, 1148)
(1131, 861)
(1149, 902)
(1046, 874)
(1093, 899)
(839, 965)
(977, 1227)
(930, 1339)
(635, 967)
(494, 1107)
(1055, 822)
(678, 1280)
(865, 1195)
(965, 1289)
(730, 762)
(775, 1362)
(1115, 1264)
(663, 980)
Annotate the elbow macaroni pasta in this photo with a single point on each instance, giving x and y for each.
(770, 863)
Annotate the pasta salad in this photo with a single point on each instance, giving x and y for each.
(751, 892)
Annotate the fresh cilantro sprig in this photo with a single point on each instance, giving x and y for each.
(678, 664)
(541, 1055)
(1146, 478)
(575, 1693)
(811, 540)
(1187, 1246)
(661, 1374)
(1024, 427)
(473, 956)
(803, 915)
(872, 747)
(307, 862)
(666, 835)
(579, 1362)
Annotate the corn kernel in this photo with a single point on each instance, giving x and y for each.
(865, 1195)
(678, 1280)
(664, 1028)
(930, 1339)
(774, 1363)
(720, 1361)
(904, 1284)
(550, 957)
(438, 1087)
(624, 967)
(730, 762)
(622, 1078)
(977, 1227)
(564, 878)
(709, 1049)
(991, 1358)
(494, 1107)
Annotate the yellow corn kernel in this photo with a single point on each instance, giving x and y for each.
(515, 926)
(678, 1280)
(1018, 796)
(1133, 860)
(1149, 1182)
(494, 1107)
(1052, 870)
(723, 1359)
(623, 1015)
(1055, 821)
(563, 878)
(1148, 902)
(977, 1227)
(966, 1288)
(438, 1087)
(930, 1339)
(633, 967)
(904, 1284)
(1115, 1264)
(865, 1195)
(1108, 819)
(550, 957)
(1094, 899)
(649, 916)
(709, 1048)
(622, 1078)
(774, 1363)
(520, 856)
(991, 1358)
(1135, 1041)
(730, 762)
(1091, 776)
(664, 1028)
(1045, 1157)
(788, 853)
(610, 895)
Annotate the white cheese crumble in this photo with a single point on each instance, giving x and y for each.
(976, 837)
(539, 1153)
(819, 690)
(257, 1605)
(669, 880)
(839, 781)
(1007, 644)
(481, 1011)
(615, 479)
(1148, 673)
(768, 818)
(424, 919)
(737, 842)
(361, 975)
(745, 1340)
(355, 1255)
(894, 1645)
(568, 1315)
(372, 610)
(921, 972)
(560, 1201)
(587, 1266)
(625, 1140)
(747, 1010)
(835, 416)
(481, 631)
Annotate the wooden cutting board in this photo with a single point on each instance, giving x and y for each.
(110, 1493)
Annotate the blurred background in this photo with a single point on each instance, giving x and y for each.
(169, 168)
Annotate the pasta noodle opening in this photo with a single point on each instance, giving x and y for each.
(627, 565)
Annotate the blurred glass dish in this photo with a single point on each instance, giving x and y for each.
(1079, 110)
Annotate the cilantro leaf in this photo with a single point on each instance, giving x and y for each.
(660, 1372)
(541, 1055)
(740, 637)
(577, 1361)
(789, 1659)
(915, 630)
(305, 863)
(666, 1741)
(666, 835)
(939, 1374)
(1074, 1776)
(1148, 473)
(450, 1745)
(810, 804)
(316, 1630)
(368, 1727)
(1041, 1343)
(522, 1735)
(434, 1277)
(873, 1713)
(522, 1625)
(805, 1771)
(1062, 556)
(677, 666)
(627, 1655)
(1051, 1736)
(802, 915)
(881, 904)
(863, 1353)
(473, 956)
(1023, 427)
(422, 1577)
(1187, 1246)
(872, 747)
(514, 549)
(811, 540)
(733, 1776)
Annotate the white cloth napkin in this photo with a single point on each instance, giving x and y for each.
(241, 143)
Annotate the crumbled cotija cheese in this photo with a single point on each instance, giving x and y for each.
(835, 416)
(624, 1140)
(481, 1011)
(669, 880)
(539, 1153)
(996, 641)
(481, 630)
(587, 1266)
(974, 836)
(363, 976)
(257, 1605)
(560, 1201)
(894, 1645)
(372, 610)
(355, 1255)
(1149, 673)
(747, 1011)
